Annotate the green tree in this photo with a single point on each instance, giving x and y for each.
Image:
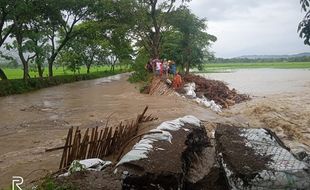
(24, 17)
(304, 25)
(193, 41)
(6, 13)
(87, 48)
(6, 26)
(63, 18)
(120, 47)
(150, 22)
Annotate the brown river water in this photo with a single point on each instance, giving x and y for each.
(33, 122)
(280, 101)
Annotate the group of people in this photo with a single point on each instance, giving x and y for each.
(161, 67)
(164, 68)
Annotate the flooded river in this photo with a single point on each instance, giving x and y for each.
(32, 122)
(265, 82)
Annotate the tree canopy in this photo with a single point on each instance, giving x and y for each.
(75, 33)
(304, 25)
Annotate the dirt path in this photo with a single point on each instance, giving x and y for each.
(32, 122)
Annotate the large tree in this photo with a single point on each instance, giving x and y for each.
(65, 16)
(86, 48)
(24, 17)
(150, 22)
(304, 25)
(191, 38)
(6, 26)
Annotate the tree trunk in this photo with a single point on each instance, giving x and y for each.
(112, 67)
(26, 70)
(2, 75)
(88, 68)
(52, 59)
(19, 40)
(40, 70)
(187, 68)
(50, 68)
(156, 34)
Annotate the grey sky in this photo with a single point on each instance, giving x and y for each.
(246, 27)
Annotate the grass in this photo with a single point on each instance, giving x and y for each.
(227, 67)
(18, 73)
(50, 184)
(19, 86)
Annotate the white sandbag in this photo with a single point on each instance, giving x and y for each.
(93, 164)
(190, 90)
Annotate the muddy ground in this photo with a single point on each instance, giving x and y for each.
(32, 122)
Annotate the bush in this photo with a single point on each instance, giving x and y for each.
(50, 184)
(140, 73)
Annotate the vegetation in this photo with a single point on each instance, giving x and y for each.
(85, 33)
(193, 41)
(17, 73)
(304, 25)
(50, 184)
(44, 30)
(167, 31)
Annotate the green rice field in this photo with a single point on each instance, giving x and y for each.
(18, 73)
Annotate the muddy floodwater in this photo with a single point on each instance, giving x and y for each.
(265, 82)
(33, 122)
(280, 101)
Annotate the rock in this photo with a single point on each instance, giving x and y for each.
(162, 160)
(257, 159)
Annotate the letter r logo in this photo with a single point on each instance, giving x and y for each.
(16, 182)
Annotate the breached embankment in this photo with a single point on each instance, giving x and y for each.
(212, 94)
(179, 154)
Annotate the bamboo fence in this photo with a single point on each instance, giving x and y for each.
(99, 143)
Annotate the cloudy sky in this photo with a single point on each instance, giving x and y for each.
(246, 27)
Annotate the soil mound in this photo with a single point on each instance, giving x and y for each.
(215, 90)
(179, 154)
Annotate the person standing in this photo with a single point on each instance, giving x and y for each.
(149, 66)
(173, 68)
(165, 67)
(177, 81)
(157, 67)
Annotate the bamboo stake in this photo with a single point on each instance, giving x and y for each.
(65, 149)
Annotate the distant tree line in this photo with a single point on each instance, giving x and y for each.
(75, 33)
(247, 60)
